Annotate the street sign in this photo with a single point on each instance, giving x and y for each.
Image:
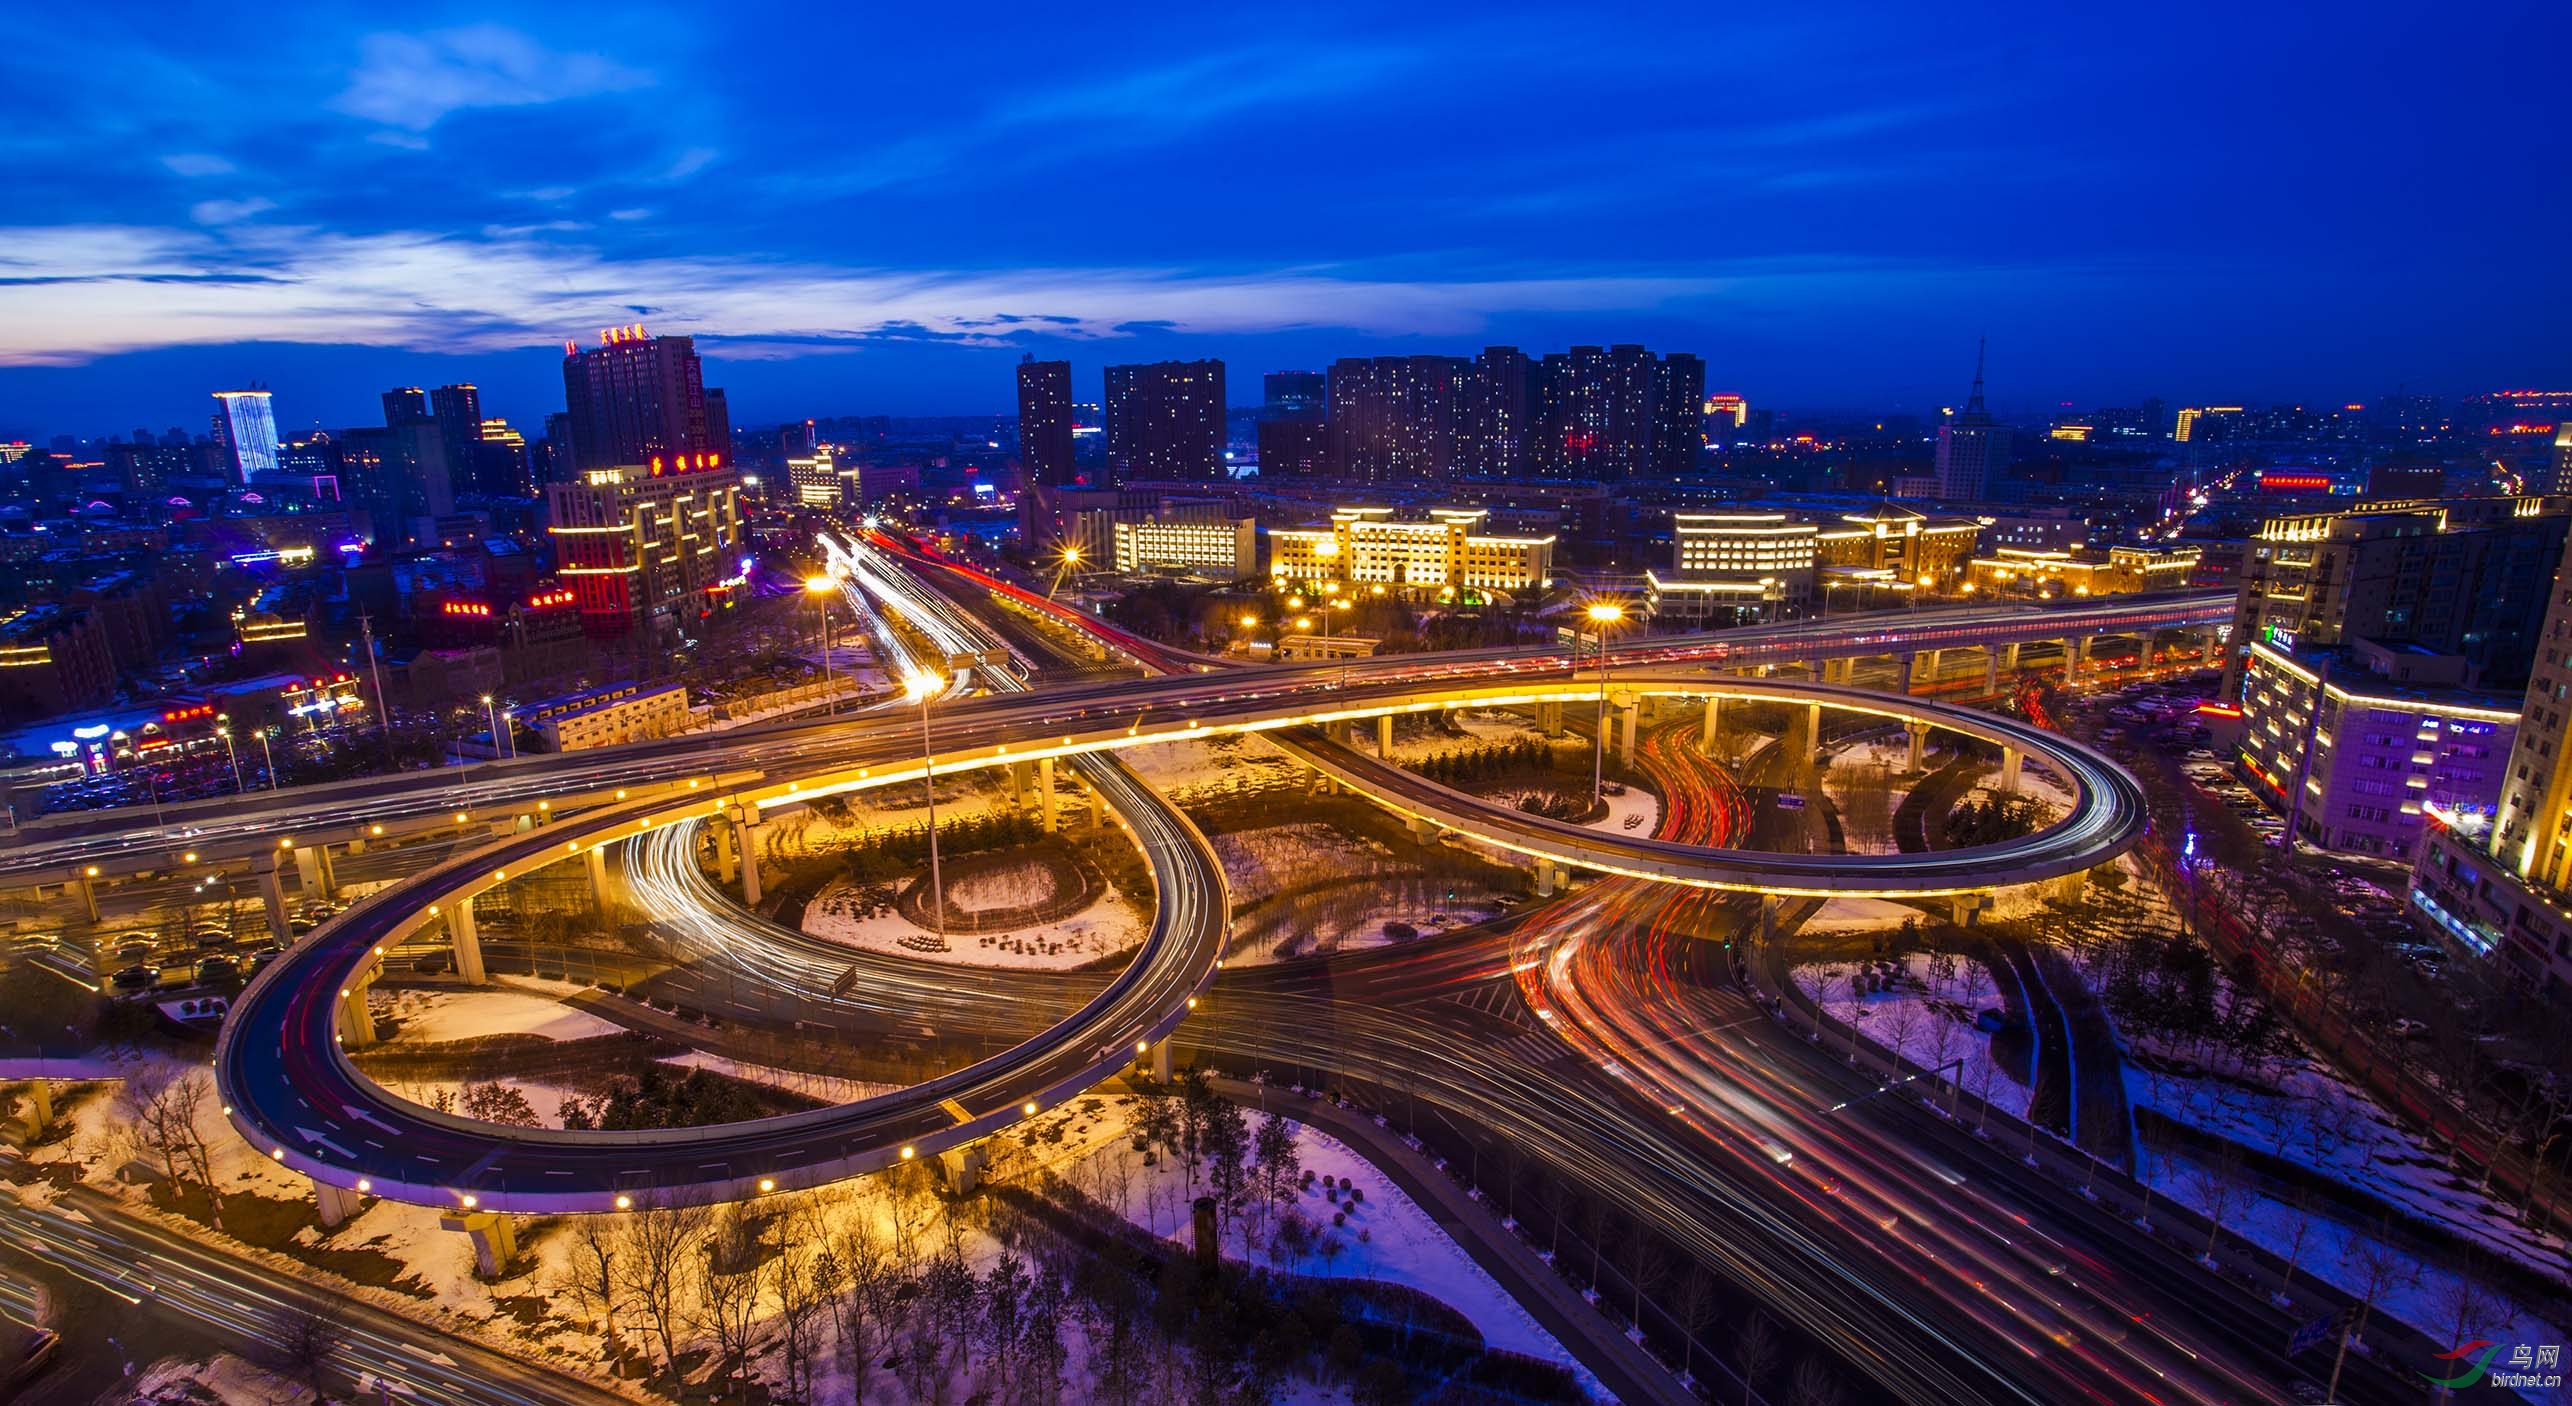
(1788, 800)
(2313, 1334)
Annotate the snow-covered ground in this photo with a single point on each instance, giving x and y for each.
(222, 1378)
(1865, 784)
(1480, 725)
(1382, 886)
(437, 1015)
(828, 1088)
(1858, 915)
(1637, 812)
(1928, 1016)
(1385, 1234)
(1109, 926)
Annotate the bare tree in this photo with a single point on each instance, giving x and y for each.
(1757, 1350)
(2299, 1212)
(727, 1309)
(590, 1274)
(2374, 1269)
(803, 1280)
(1815, 1385)
(1694, 1311)
(165, 1104)
(865, 1309)
(658, 1258)
(2220, 1192)
(2465, 1304)
(308, 1336)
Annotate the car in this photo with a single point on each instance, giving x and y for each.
(217, 969)
(2409, 1029)
(131, 952)
(136, 978)
(213, 937)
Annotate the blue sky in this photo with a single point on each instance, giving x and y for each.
(877, 209)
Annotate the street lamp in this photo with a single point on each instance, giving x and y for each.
(820, 588)
(270, 756)
(1602, 615)
(492, 713)
(224, 731)
(921, 686)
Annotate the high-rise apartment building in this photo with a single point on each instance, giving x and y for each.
(1973, 448)
(1678, 413)
(405, 405)
(249, 427)
(1498, 418)
(1165, 420)
(1295, 395)
(1393, 418)
(639, 401)
(1045, 423)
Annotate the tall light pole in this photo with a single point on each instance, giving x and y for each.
(1602, 615)
(223, 729)
(820, 588)
(271, 758)
(923, 686)
(492, 712)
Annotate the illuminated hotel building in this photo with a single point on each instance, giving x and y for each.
(1899, 547)
(1442, 553)
(639, 398)
(1734, 569)
(820, 481)
(648, 547)
(249, 425)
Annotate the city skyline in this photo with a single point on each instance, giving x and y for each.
(2125, 210)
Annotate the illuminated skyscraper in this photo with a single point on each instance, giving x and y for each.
(405, 405)
(1972, 446)
(1045, 423)
(249, 426)
(639, 401)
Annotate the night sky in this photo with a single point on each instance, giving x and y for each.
(878, 208)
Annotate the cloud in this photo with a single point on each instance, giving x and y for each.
(691, 161)
(224, 212)
(197, 163)
(412, 81)
(71, 294)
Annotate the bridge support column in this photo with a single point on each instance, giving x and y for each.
(1961, 907)
(1919, 732)
(1551, 878)
(962, 1168)
(1628, 716)
(272, 894)
(85, 888)
(1045, 791)
(1423, 831)
(1991, 671)
(312, 868)
(2074, 887)
(1812, 730)
(1017, 786)
(2009, 760)
(2214, 655)
(596, 859)
(1549, 719)
(2009, 658)
(1384, 736)
(467, 943)
(726, 863)
(1706, 741)
(336, 1205)
(495, 1241)
(40, 1106)
(1098, 807)
(1768, 903)
(745, 824)
(356, 1021)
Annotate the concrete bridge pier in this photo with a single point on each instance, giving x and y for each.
(336, 1205)
(466, 942)
(1628, 716)
(40, 1105)
(745, 824)
(596, 860)
(2073, 887)
(1549, 719)
(1098, 806)
(356, 1022)
(272, 894)
(1551, 877)
(2214, 655)
(495, 1240)
(1046, 802)
(1768, 904)
(1812, 729)
(1706, 740)
(85, 888)
(1017, 772)
(1991, 671)
(2009, 760)
(1961, 907)
(313, 870)
(2009, 658)
(1423, 831)
(726, 863)
(1384, 736)
(962, 1168)
(1919, 734)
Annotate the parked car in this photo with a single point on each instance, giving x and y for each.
(136, 978)
(217, 969)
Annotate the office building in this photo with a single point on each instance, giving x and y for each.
(399, 477)
(248, 426)
(2562, 481)
(2356, 746)
(1393, 418)
(2041, 574)
(1045, 423)
(647, 550)
(608, 716)
(2464, 576)
(1733, 568)
(1165, 421)
(1973, 448)
(821, 482)
(54, 658)
(1896, 549)
(639, 401)
(1440, 555)
(1200, 542)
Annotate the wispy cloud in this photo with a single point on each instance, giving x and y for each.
(412, 81)
(72, 294)
(197, 163)
(224, 212)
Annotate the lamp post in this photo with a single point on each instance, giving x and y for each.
(923, 686)
(223, 729)
(492, 713)
(820, 588)
(1602, 615)
(271, 758)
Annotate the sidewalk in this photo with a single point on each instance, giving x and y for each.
(1623, 1367)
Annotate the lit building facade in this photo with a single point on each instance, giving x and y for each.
(2357, 746)
(1441, 553)
(1973, 448)
(1916, 550)
(2117, 571)
(1165, 420)
(639, 399)
(249, 425)
(609, 716)
(648, 547)
(1210, 545)
(1734, 569)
